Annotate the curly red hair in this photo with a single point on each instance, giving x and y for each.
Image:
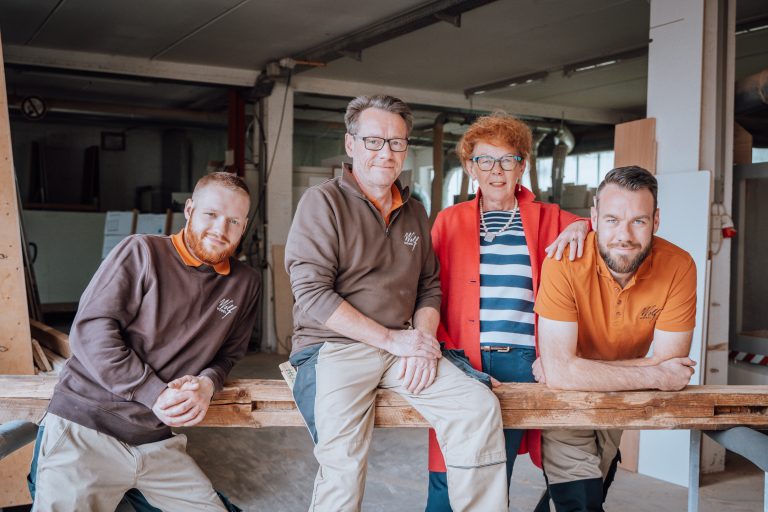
(498, 128)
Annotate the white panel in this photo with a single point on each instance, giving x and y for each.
(674, 84)
(69, 246)
(684, 205)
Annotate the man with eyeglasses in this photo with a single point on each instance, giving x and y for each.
(367, 290)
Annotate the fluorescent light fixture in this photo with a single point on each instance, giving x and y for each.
(509, 82)
(604, 61)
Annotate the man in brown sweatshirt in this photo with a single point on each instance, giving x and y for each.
(367, 307)
(158, 329)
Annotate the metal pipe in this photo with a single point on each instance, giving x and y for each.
(130, 112)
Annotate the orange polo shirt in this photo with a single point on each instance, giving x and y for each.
(616, 323)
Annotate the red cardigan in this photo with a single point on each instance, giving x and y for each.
(456, 239)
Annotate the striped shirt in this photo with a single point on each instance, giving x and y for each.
(506, 283)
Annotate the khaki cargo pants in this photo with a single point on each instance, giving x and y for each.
(464, 413)
(81, 469)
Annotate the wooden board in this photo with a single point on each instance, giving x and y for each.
(15, 346)
(259, 403)
(283, 300)
(634, 143)
(49, 337)
(41, 361)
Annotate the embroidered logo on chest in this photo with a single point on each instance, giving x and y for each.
(226, 306)
(410, 239)
(650, 312)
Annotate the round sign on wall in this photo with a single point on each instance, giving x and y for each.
(33, 107)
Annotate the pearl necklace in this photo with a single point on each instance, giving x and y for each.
(487, 235)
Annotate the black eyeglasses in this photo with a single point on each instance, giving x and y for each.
(376, 143)
(506, 162)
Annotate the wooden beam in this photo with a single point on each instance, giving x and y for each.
(486, 103)
(111, 64)
(51, 338)
(259, 403)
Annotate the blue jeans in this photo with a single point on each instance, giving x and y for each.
(512, 366)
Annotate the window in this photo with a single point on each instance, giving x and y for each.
(585, 169)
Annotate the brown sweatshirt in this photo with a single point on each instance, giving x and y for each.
(147, 317)
(339, 248)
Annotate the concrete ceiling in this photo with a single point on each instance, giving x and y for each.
(496, 41)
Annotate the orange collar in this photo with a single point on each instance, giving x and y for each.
(397, 201)
(189, 259)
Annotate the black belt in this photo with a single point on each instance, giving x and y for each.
(495, 348)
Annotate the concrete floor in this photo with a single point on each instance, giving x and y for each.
(272, 470)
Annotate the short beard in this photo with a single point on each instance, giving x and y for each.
(194, 242)
(623, 265)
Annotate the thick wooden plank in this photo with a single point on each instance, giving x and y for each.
(51, 338)
(269, 403)
(15, 346)
(15, 349)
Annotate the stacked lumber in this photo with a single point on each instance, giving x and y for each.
(50, 348)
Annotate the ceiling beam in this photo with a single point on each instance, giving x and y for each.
(345, 88)
(128, 66)
(438, 11)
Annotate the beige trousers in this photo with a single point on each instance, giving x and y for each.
(464, 413)
(81, 469)
(570, 455)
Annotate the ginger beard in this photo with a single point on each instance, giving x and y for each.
(204, 250)
(620, 263)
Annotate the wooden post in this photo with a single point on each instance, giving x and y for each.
(15, 339)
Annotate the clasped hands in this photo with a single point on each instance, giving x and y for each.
(185, 401)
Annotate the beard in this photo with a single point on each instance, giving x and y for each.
(196, 244)
(624, 264)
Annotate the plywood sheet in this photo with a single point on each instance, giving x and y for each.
(635, 144)
(15, 340)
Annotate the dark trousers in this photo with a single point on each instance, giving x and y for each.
(512, 366)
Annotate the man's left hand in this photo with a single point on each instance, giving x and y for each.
(199, 391)
(417, 373)
(572, 236)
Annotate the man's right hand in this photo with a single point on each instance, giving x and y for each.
(413, 343)
(417, 373)
(676, 373)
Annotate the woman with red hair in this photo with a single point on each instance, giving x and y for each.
(491, 250)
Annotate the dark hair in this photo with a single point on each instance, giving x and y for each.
(498, 128)
(380, 101)
(224, 179)
(631, 177)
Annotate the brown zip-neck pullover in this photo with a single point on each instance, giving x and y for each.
(148, 316)
(340, 248)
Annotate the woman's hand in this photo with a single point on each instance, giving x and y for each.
(572, 236)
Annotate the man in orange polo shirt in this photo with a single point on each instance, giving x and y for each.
(599, 316)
